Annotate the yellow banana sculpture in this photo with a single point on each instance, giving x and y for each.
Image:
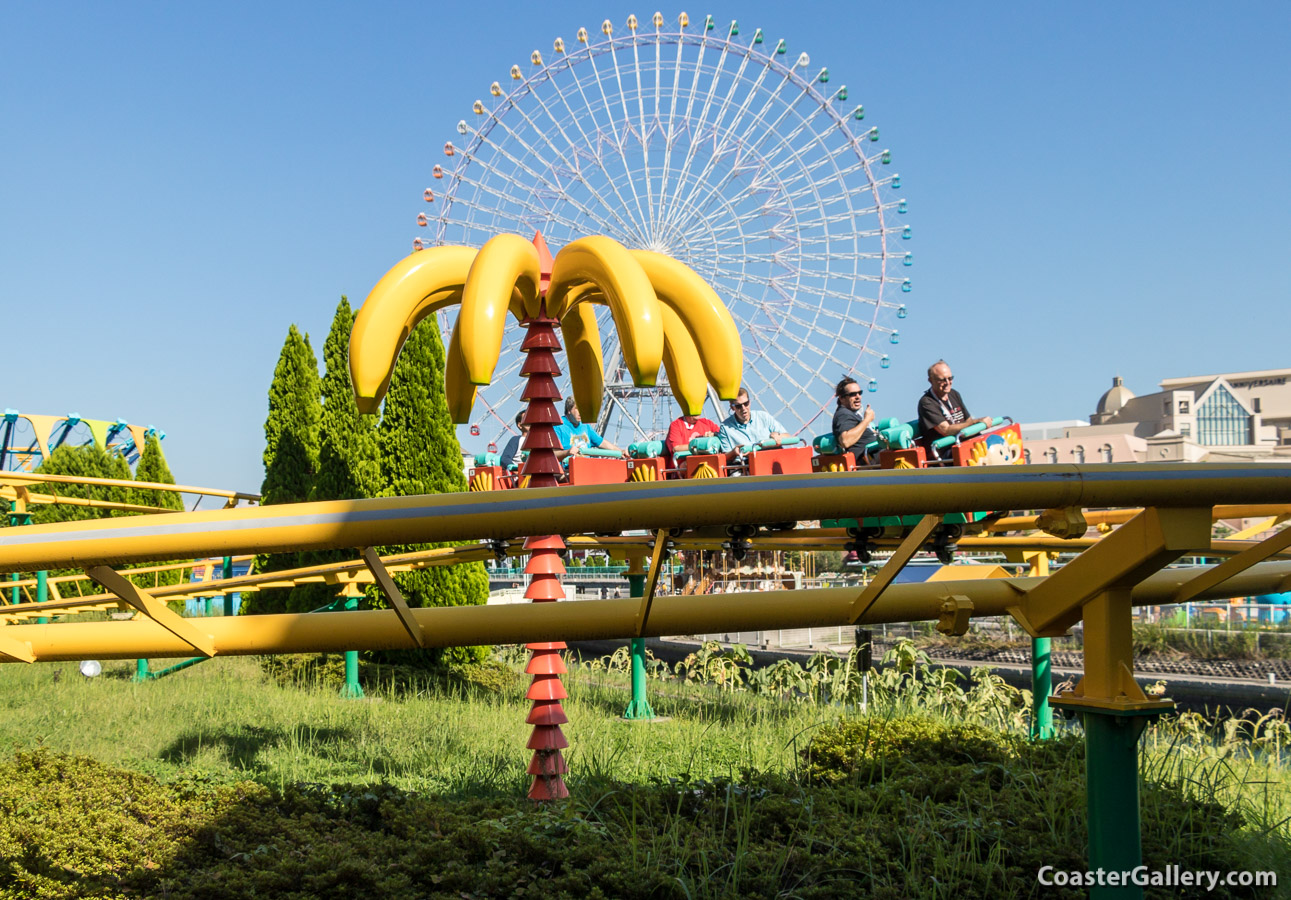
(459, 392)
(505, 263)
(628, 292)
(664, 313)
(681, 358)
(704, 316)
(415, 287)
(682, 362)
(585, 361)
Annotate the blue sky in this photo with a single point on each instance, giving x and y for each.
(1096, 190)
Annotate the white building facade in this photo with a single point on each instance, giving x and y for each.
(1216, 418)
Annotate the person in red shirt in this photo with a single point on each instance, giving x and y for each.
(682, 430)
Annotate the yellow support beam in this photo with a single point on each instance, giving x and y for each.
(1258, 528)
(15, 651)
(585, 620)
(322, 574)
(1119, 516)
(652, 579)
(902, 555)
(393, 594)
(1216, 575)
(23, 478)
(154, 609)
(1147, 543)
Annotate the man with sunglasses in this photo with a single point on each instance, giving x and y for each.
(851, 426)
(941, 410)
(744, 426)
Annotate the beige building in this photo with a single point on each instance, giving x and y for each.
(1215, 418)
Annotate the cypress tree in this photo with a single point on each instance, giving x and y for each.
(349, 456)
(152, 467)
(89, 461)
(291, 450)
(291, 429)
(420, 455)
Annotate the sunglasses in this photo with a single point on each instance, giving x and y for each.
(850, 394)
(743, 405)
(947, 380)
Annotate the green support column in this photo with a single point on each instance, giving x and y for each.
(141, 670)
(42, 593)
(638, 706)
(177, 667)
(228, 573)
(17, 516)
(1112, 791)
(1041, 673)
(351, 689)
(1041, 688)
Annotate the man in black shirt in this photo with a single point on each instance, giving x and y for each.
(511, 458)
(852, 430)
(941, 410)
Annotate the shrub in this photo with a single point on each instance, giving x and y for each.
(865, 749)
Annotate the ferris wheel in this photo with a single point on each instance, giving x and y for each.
(721, 149)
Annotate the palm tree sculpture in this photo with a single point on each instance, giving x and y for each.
(663, 313)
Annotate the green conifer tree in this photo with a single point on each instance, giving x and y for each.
(291, 450)
(349, 455)
(152, 467)
(420, 455)
(89, 461)
(291, 429)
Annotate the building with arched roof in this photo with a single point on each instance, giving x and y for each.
(1233, 416)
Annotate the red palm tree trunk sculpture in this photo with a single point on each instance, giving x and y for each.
(545, 566)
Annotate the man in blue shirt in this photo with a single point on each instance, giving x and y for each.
(744, 426)
(576, 435)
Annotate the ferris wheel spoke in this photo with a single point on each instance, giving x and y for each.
(618, 141)
(645, 129)
(720, 135)
(835, 336)
(671, 132)
(574, 170)
(822, 291)
(773, 385)
(687, 198)
(694, 124)
(523, 203)
(555, 189)
(743, 138)
(587, 141)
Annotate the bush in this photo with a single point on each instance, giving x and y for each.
(868, 748)
(327, 671)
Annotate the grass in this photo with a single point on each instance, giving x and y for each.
(223, 782)
(225, 720)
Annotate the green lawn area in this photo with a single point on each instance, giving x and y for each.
(222, 782)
